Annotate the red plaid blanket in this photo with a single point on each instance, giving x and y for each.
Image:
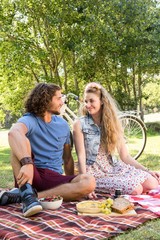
(64, 223)
(151, 201)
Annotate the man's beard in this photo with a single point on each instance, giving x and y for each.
(54, 112)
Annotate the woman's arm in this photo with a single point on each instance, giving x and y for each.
(79, 146)
(80, 150)
(126, 157)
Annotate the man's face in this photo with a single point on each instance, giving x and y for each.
(56, 103)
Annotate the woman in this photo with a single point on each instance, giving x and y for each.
(98, 135)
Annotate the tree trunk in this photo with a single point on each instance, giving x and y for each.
(65, 74)
(140, 106)
(74, 75)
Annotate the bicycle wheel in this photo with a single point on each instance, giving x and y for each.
(135, 134)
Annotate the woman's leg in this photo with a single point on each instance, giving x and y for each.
(138, 190)
(149, 184)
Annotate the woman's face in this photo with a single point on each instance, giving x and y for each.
(92, 103)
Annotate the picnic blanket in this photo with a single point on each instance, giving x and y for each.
(65, 223)
(150, 201)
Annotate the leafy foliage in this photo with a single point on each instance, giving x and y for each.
(73, 42)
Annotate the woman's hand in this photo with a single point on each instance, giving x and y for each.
(156, 175)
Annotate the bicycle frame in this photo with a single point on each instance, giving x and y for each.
(68, 114)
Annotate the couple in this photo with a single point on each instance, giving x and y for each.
(40, 145)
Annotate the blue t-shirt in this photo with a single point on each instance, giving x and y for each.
(47, 140)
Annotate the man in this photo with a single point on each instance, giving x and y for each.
(40, 145)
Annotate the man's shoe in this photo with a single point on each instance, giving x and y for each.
(31, 205)
(8, 197)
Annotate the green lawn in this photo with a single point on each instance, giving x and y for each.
(6, 180)
(150, 158)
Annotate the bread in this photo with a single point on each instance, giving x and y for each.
(89, 206)
(122, 205)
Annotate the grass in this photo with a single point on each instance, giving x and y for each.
(6, 180)
(150, 158)
(147, 231)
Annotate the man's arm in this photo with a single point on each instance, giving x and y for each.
(20, 148)
(18, 141)
(68, 160)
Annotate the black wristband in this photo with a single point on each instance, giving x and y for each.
(26, 160)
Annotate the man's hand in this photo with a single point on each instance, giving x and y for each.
(68, 160)
(92, 195)
(25, 175)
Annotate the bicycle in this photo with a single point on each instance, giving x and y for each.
(134, 128)
(135, 133)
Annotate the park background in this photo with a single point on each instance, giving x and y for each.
(73, 42)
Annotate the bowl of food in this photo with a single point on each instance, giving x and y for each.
(51, 202)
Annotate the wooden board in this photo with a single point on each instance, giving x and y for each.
(92, 208)
(129, 213)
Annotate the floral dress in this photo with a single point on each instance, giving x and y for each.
(112, 174)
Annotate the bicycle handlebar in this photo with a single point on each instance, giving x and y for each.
(73, 95)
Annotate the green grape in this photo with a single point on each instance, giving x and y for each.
(110, 201)
(106, 211)
(105, 206)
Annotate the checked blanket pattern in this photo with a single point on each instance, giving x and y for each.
(151, 201)
(64, 223)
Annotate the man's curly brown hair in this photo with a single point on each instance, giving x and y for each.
(40, 98)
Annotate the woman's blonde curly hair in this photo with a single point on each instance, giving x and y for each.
(111, 128)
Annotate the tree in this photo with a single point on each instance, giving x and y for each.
(73, 42)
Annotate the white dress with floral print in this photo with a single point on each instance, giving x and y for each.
(115, 175)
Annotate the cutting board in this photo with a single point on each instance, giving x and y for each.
(91, 208)
(129, 213)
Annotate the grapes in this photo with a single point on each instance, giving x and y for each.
(106, 205)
